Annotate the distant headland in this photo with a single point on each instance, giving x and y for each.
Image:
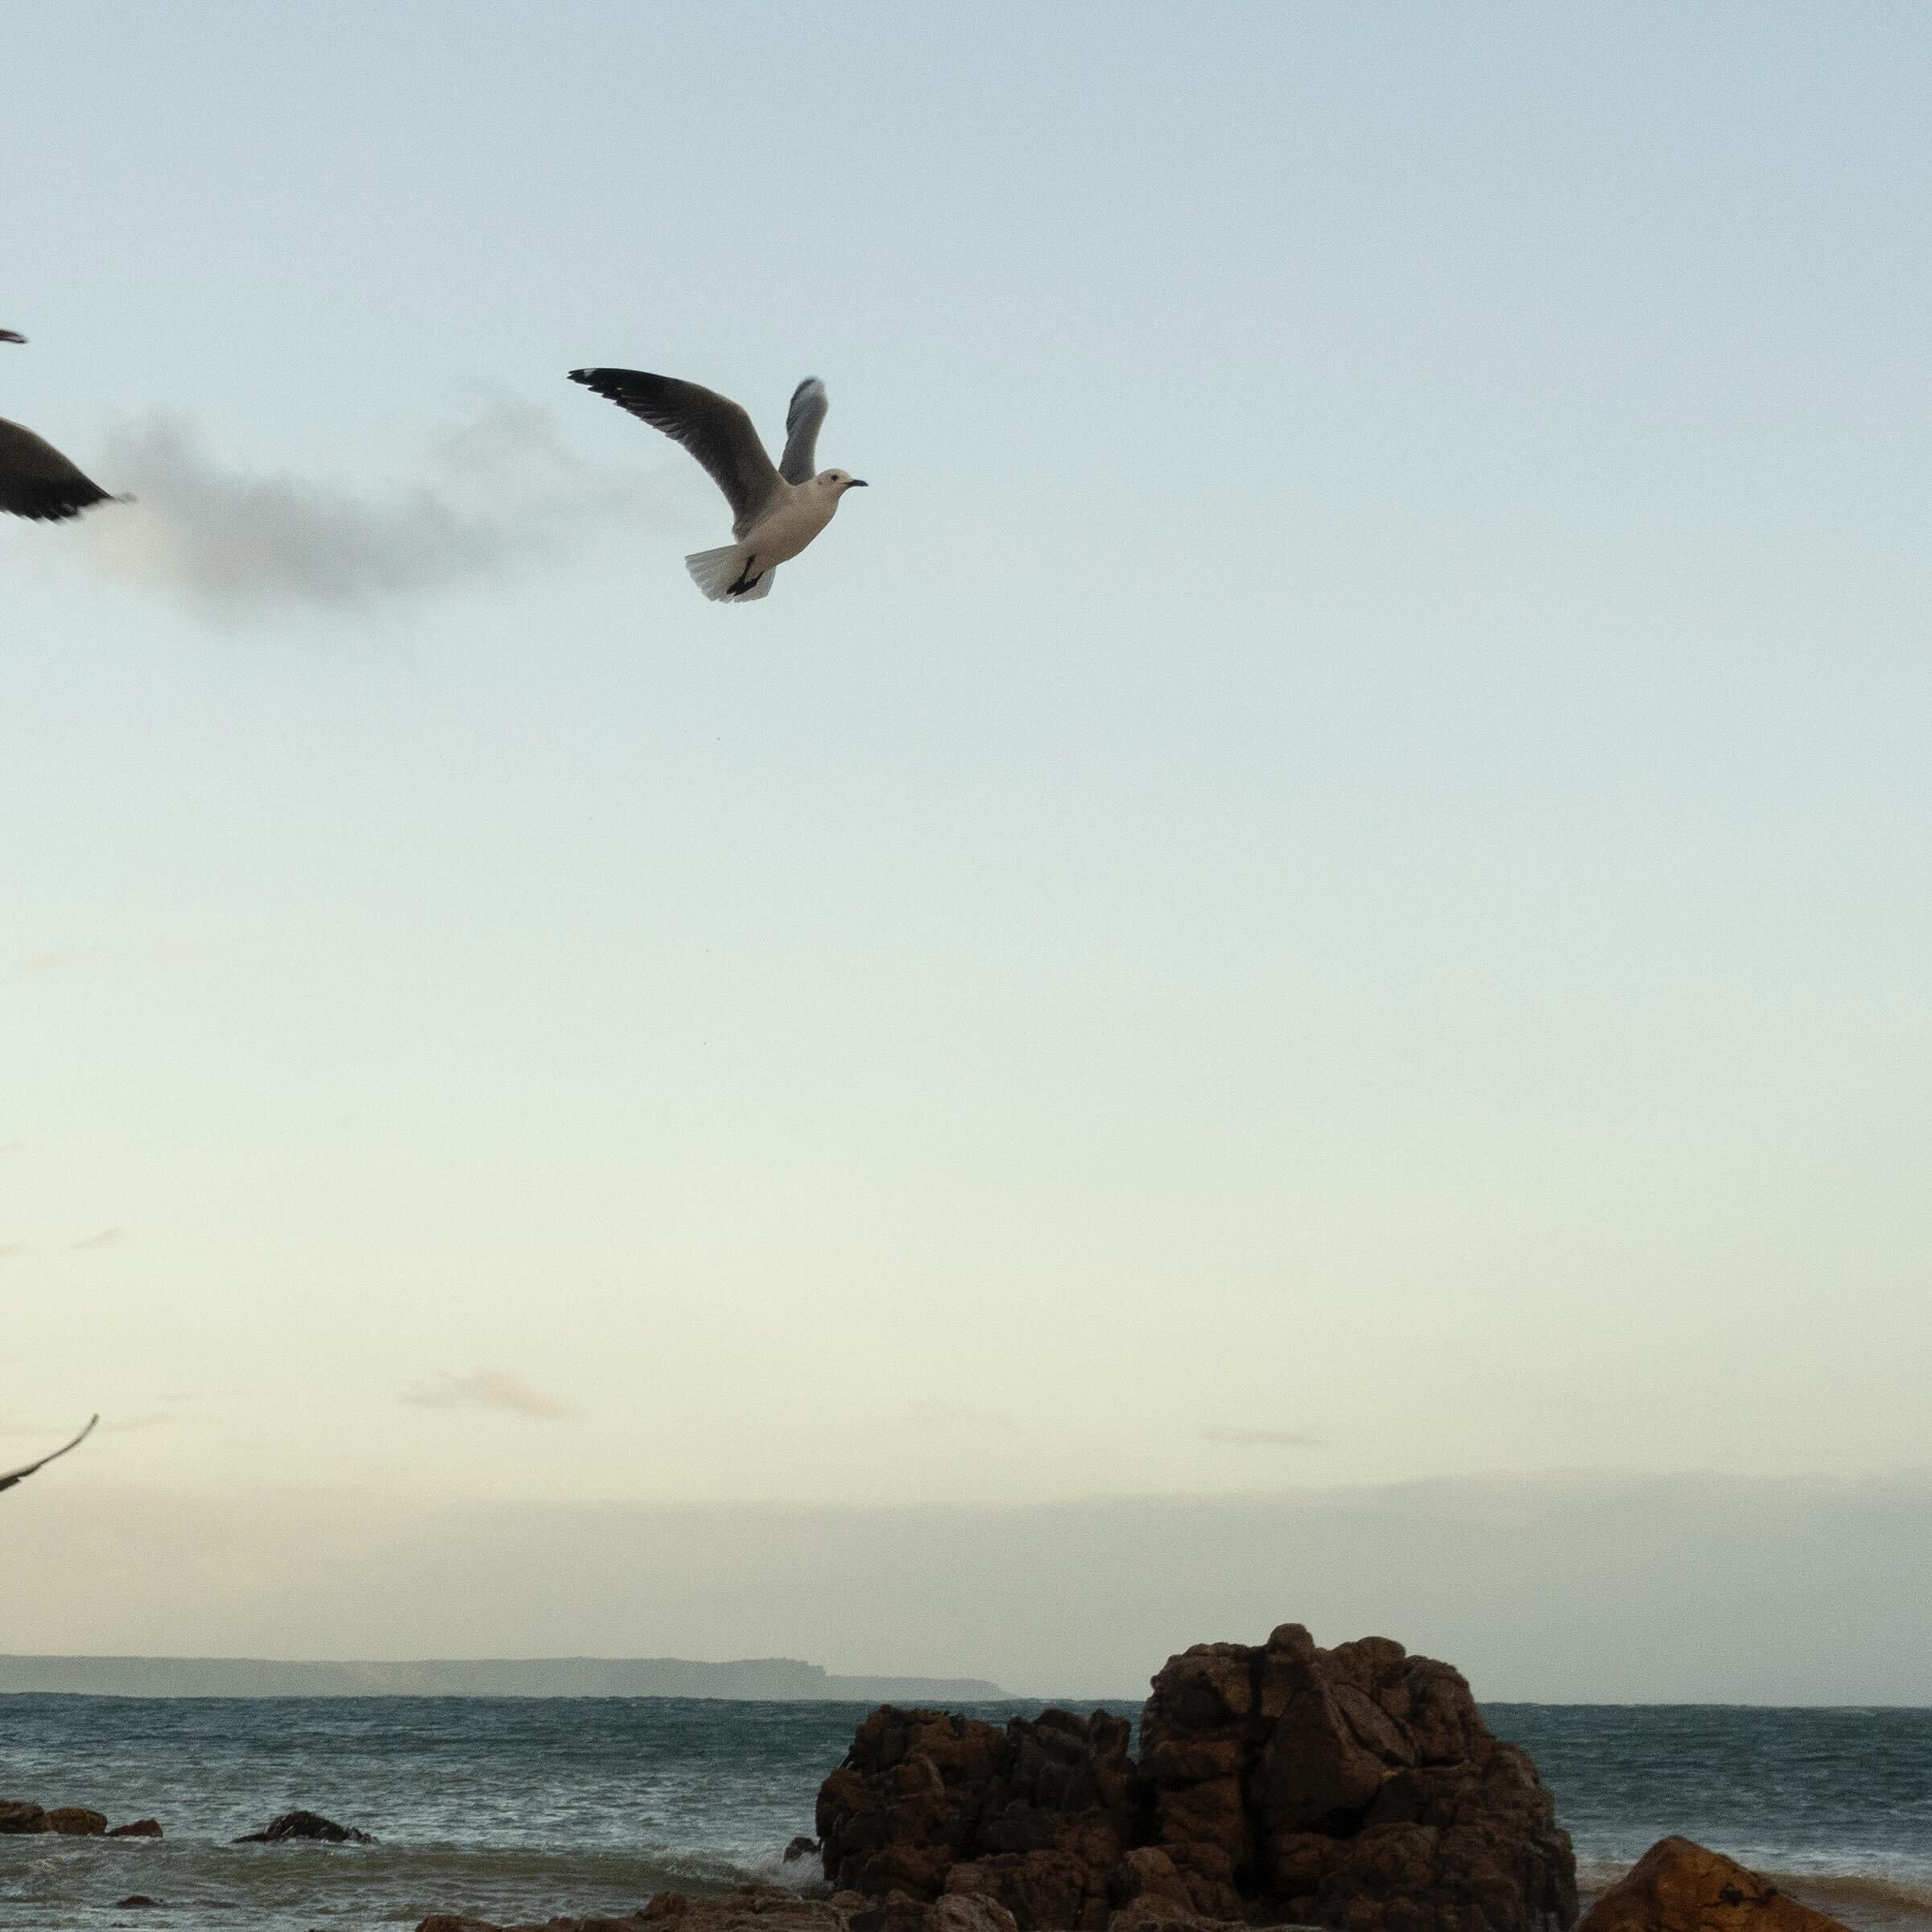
(775, 1678)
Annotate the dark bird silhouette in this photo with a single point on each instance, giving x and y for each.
(35, 480)
(8, 1477)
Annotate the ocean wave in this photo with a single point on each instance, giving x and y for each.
(295, 1886)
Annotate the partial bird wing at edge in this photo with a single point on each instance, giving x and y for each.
(8, 1477)
(809, 403)
(715, 429)
(36, 481)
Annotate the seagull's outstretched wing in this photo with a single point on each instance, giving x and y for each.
(10, 1477)
(37, 481)
(809, 403)
(715, 429)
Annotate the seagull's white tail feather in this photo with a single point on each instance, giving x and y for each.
(714, 572)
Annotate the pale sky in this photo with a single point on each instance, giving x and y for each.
(1323, 887)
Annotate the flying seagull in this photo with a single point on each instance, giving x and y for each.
(8, 1477)
(775, 513)
(35, 480)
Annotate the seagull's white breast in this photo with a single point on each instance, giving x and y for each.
(798, 514)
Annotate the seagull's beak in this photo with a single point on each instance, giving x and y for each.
(856, 483)
(7, 335)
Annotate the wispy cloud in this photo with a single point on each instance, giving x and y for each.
(921, 1413)
(52, 959)
(106, 1238)
(155, 1419)
(9, 1249)
(1261, 1439)
(488, 1389)
(238, 543)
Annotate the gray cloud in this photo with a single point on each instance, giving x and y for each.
(488, 1389)
(1261, 1439)
(238, 543)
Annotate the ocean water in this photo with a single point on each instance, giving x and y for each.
(514, 1809)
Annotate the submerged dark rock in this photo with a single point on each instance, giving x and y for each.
(1358, 1788)
(69, 1821)
(76, 1821)
(310, 1825)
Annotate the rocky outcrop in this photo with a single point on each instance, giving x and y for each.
(306, 1825)
(68, 1821)
(1677, 1886)
(76, 1821)
(1033, 1815)
(1356, 1788)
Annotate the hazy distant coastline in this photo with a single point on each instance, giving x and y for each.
(777, 1677)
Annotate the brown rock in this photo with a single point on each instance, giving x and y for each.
(17, 1819)
(76, 1821)
(1356, 1788)
(752, 1909)
(1153, 1914)
(1677, 1886)
(1031, 1816)
(1039, 1888)
(142, 1827)
(961, 1912)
